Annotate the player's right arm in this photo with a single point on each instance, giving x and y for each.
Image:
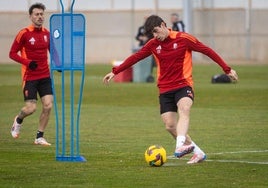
(108, 77)
(134, 58)
(18, 46)
(131, 60)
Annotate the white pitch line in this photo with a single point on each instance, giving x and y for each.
(236, 152)
(235, 161)
(230, 161)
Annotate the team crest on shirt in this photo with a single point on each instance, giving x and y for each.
(158, 49)
(32, 41)
(45, 38)
(175, 46)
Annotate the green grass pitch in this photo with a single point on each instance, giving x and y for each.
(118, 122)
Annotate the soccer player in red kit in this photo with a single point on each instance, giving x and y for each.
(172, 51)
(30, 48)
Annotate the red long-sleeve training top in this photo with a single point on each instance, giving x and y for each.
(173, 57)
(33, 45)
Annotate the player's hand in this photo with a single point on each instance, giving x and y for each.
(33, 65)
(107, 78)
(232, 74)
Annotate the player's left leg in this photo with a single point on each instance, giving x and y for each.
(46, 95)
(47, 104)
(170, 121)
(184, 107)
(199, 155)
(183, 147)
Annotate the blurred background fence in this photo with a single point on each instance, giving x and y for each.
(236, 29)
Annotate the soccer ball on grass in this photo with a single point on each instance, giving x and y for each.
(155, 155)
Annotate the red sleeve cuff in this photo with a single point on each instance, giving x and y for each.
(227, 70)
(114, 70)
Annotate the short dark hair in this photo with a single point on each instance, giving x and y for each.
(150, 23)
(36, 5)
(175, 14)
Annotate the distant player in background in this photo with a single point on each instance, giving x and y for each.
(173, 53)
(177, 23)
(143, 39)
(30, 48)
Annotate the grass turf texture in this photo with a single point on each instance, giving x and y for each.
(119, 121)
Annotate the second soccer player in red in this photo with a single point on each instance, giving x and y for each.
(173, 55)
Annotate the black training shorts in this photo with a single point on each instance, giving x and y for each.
(168, 101)
(42, 87)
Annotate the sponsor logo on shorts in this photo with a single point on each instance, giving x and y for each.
(189, 93)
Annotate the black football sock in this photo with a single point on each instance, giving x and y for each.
(19, 120)
(39, 134)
